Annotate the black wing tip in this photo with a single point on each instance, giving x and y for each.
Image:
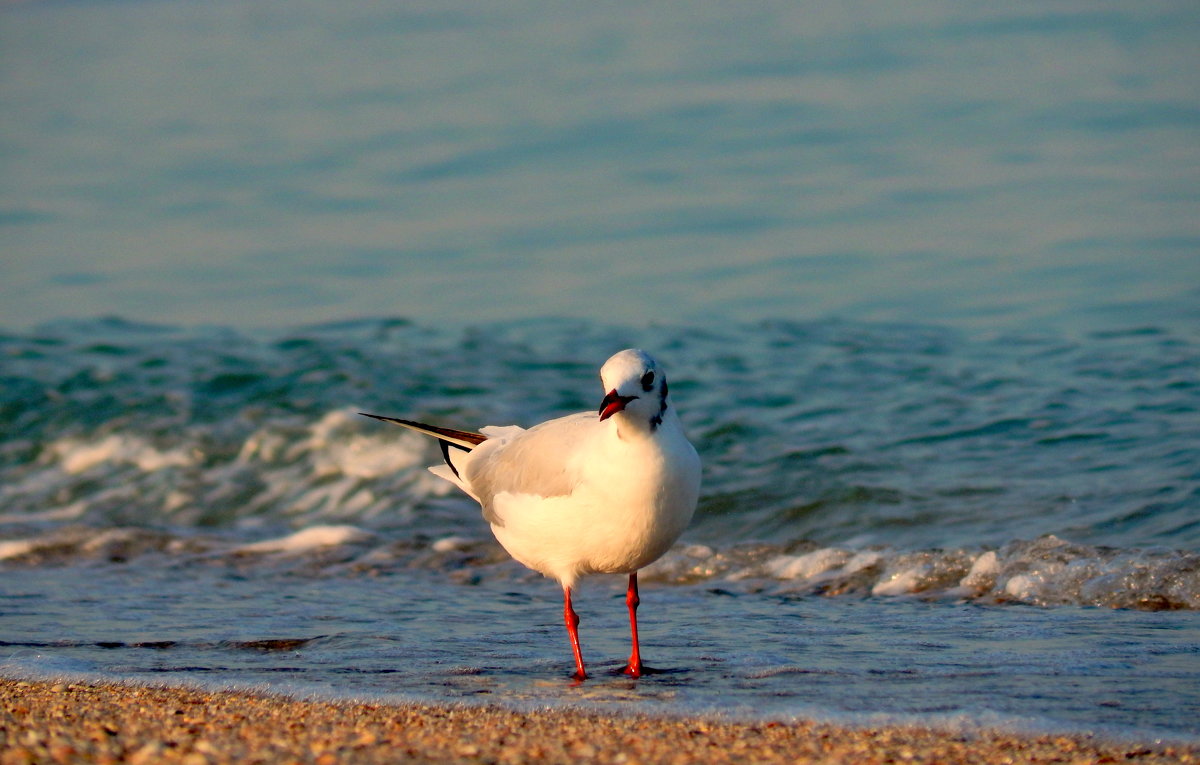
(445, 445)
(372, 416)
(434, 430)
(381, 418)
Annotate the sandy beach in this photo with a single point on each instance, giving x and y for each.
(73, 722)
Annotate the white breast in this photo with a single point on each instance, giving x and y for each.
(629, 499)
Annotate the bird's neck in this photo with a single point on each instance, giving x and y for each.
(630, 426)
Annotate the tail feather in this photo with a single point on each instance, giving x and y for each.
(447, 437)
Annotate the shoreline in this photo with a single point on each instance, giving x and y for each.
(47, 721)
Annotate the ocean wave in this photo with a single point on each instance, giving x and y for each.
(847, 434)
(1043, 572)
(293, 470)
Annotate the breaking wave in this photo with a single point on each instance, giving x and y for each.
(840, 459)
(1043, 572)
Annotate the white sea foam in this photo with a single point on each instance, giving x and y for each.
(308, 539)
(863, 560)
(1021, 587)
(15, 548)
(339, 447)
(1045, 572)
(331, 469)
(902, 582)
(808, 565)
(1042, 572)
(983, 571)
(80, 455)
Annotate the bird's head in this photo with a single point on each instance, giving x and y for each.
(636, 387)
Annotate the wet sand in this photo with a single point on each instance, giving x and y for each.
(63, 723)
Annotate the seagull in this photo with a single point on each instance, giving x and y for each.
(588, 493)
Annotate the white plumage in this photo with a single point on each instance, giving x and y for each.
(586, 493)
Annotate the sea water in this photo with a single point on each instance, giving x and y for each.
(924, 280)
(285, 163)
(896, 522)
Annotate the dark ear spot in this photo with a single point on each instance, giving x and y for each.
(664, 390)
(648, 380)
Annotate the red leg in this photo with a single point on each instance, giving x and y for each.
(572, 620)
(634, 667)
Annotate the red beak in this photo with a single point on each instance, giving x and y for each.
(613, 403)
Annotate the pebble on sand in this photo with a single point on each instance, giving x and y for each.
(76, 722)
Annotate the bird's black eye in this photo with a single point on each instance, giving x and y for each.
(648, 380)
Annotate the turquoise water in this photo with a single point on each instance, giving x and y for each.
(279, 164)
(896, 523)
(405, 635)
(925, 279)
